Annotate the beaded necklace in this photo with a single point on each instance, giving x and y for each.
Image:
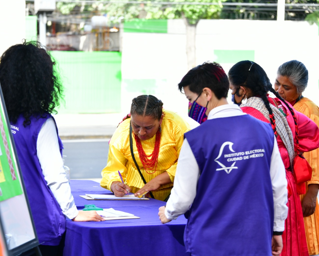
(149, 161)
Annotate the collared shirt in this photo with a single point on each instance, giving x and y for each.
(188, 173)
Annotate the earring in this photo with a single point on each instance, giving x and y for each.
(244, 100)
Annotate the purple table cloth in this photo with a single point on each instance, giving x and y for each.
(86, 187)
(131, 237)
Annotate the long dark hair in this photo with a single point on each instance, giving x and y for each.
(29, 83)
(249, 74)
(147, 105)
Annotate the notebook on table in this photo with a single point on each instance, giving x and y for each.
(111, 197)
(111, 214)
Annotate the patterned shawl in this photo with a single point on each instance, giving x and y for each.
(282, 126)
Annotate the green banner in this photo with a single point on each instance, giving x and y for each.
(234, 56)
(9, 180)
(145, 26)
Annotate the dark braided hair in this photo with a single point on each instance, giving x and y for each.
(147, 105)
(29, 83)
(250, 75)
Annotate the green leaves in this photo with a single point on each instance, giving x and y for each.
(313, 18)
(65, 8)
(155, 9)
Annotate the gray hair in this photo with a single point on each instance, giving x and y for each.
(296, 72)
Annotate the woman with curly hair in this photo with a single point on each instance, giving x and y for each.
(31, 92)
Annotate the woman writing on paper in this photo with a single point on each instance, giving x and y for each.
(157, 136)
(291, 81)
(31, 91)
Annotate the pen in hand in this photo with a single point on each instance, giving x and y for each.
(122, 181)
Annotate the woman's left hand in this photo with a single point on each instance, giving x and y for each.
(161, 214)
(149, 186)
(309, 201)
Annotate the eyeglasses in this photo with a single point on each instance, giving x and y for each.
(198, 97)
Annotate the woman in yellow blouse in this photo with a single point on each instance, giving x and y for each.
(292, 79)
(157, 137)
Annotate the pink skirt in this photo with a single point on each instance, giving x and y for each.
(294, 236)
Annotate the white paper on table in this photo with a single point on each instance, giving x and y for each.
(111, 214)
(111, 197)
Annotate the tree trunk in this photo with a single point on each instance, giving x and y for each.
(190, 44)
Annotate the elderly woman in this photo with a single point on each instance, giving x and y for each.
(250, 81)
(291, 81)
(145, 148)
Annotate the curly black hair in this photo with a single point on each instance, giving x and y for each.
(29, 82)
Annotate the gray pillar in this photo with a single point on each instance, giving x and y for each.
(281, 10)
(42, 28)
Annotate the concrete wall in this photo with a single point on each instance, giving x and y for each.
(12, 20)
(154, 59)
(155, 62)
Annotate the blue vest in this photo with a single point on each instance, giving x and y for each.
(232, 213)
(47, 214)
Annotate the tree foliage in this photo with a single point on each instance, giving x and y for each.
(250, 12)
(155, 9)
(313, 17)
(175, 9)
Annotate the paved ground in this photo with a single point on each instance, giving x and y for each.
(85, 158)
(87, 126)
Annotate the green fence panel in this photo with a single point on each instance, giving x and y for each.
(145, 26)
(233, 56)
(31, 24)
(91, 80)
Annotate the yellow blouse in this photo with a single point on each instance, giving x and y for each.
(308, 108)
(119, 157)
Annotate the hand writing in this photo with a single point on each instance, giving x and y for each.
(119, 189)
